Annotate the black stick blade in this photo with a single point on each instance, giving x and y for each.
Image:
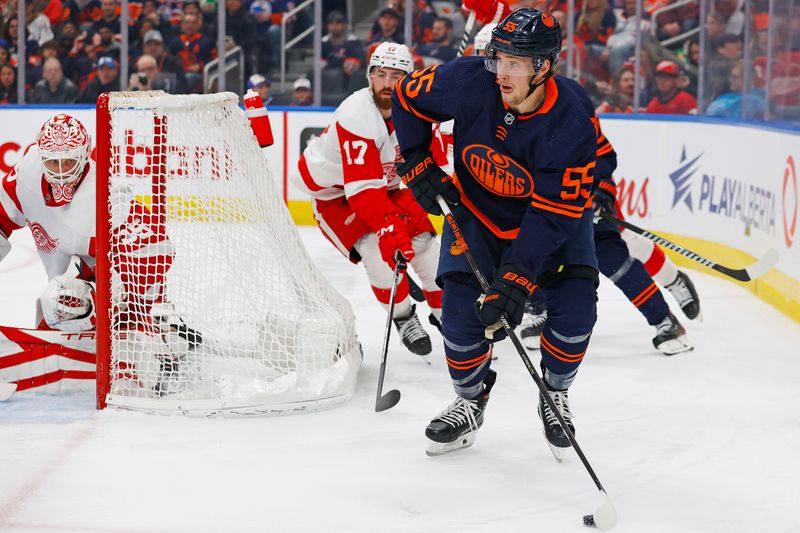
(387, 401)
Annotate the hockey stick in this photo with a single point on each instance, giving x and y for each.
(605, 517)
(467, 33)
(390, 399)
(414, 289)
(754, 271)
(6, 390)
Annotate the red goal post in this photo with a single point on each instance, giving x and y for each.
(208, 302)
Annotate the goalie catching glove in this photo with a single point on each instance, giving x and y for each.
(68, 304)
(427, 180)
(507, 295)
(392, 238)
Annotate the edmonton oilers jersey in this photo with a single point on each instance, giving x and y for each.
(526, 177)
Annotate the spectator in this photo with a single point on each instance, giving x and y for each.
(731, 10)
(5, 54)
(726, 51)
(54, 88)
(106, 80)
(715, 26)
(79, 65)
(670, 100)
(389, 24)
(677, 21)
(262, 86)
(579, 49)
(109, 17)
(169, 66)
(595, 24)
(194, 51)
(340, 48)
(295, 25)
(8, 84)
(622, 43)
(139, 82)
(262, 13)
(34, 71)
(147, 76)
(103, 39)
(621, 98)
(38, 25)
(302, 93)
(729, 104)
(441, 48)
(66, 34)
(150, 13)
(241, 26)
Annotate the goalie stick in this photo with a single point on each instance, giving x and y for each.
(754, 271)
(390, 399)
(605, 517)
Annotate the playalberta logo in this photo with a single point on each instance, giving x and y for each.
(682, 180)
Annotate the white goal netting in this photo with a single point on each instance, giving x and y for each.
(215, 305)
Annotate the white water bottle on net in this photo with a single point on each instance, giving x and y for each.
(207, 299)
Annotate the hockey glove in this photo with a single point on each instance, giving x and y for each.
(426, 180)
(507, 295)
(393, 238)
(604, 199)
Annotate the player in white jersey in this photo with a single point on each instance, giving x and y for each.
(358, 200)
(52, 191)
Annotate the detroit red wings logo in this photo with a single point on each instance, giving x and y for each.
(62, 192)
(44, 243)
(62, 133)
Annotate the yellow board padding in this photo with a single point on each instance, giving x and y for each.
(775, 287)
(186, 208)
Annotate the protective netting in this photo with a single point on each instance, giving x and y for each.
(215, 304)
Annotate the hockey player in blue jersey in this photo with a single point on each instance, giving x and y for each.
(618, 265)
(522, 193)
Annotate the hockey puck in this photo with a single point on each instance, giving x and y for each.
(588, 520)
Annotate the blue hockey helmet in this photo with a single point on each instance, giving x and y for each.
(528, 33)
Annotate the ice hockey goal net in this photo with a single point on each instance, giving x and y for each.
(207, 299)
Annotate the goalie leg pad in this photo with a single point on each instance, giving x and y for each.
(67, 304)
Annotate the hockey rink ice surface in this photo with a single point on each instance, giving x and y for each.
(706, 441)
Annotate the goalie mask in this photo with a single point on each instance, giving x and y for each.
(64, 146)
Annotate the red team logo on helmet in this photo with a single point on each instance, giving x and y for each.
(497, 172)
(62, 133)
(63, 138)
(44, 242)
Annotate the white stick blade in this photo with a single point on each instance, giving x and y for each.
(606, 516)
(763, 265)
(6, 390)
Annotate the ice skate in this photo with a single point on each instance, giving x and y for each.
(170, 380)
(414, 337)
(671, 338)
(533, 321)
(684, 292)
(556, 437)
(456, 426)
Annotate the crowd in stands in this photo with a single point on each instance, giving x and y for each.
(72, 49)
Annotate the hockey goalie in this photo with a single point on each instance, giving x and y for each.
(52, 191)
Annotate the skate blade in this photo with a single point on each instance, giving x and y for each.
(426, 358)
(531, 343)
(558, 452)
(676, 346)
(440, 448)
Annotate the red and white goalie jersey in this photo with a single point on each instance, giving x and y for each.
(61, 219)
